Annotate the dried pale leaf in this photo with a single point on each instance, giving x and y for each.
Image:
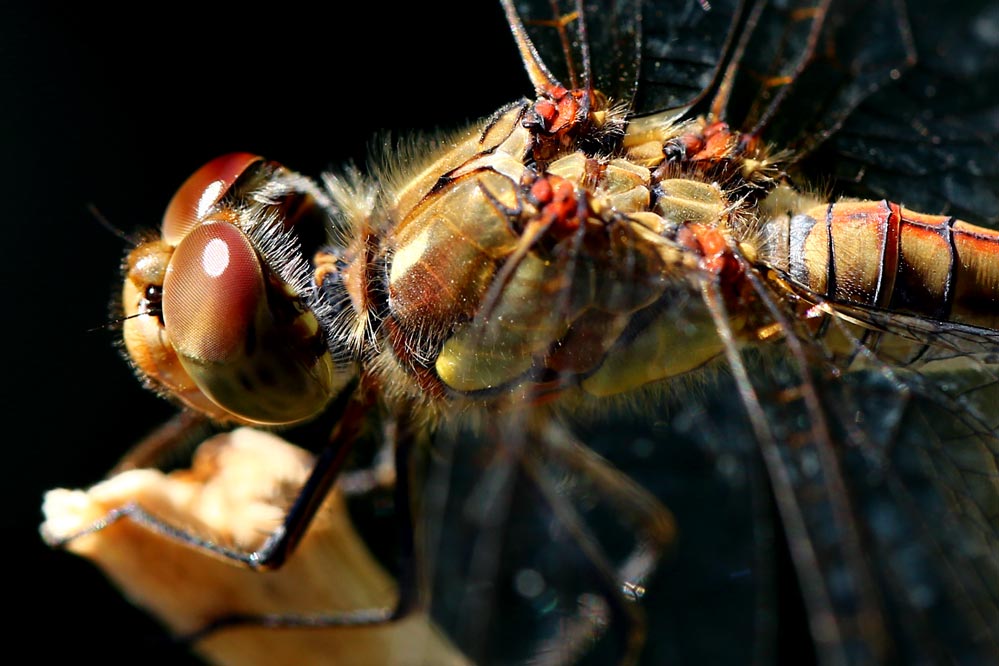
(235, 493)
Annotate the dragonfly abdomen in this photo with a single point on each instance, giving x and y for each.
(880, 254)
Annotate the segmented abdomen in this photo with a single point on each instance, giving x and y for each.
(880, 254)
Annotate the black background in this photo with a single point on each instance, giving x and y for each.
(115, 108)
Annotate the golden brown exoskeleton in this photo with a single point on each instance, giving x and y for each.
(554, 262)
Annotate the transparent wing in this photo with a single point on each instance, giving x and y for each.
(859, 515)
(839, 485)
(514, 577)
(898, 454)
(880, 99)
(931, 136)
(800, 68)
(651, 55)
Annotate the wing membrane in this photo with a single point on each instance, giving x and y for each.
(651, 55)
(929, 137)
(906, 462)
(682, 52)
(501, 533)
(884, 468)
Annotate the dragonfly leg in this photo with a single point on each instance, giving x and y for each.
(653, 520)
(622, 583)
(380, 475)
(410, 597)
(277, 548)
(271, 555)
(181, 432)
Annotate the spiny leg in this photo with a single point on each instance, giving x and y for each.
(283, 541)
(644, 510)
(180, 432)
(622, 584)
(303, 510)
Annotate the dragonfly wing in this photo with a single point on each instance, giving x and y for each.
(887, 483)
(682, 52)
(647, 54)
(929, 497)
(509, 575)
(930, 138)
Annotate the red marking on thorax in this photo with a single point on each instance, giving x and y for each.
(716, 257)
(716, 141)
(559, 108)
(557, 203)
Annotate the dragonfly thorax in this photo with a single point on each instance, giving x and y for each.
(486, 272)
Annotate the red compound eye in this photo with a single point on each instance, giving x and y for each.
(212, 294)
(257, 364)
(194, 201)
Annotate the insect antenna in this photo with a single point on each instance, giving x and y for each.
(115, 323)
(106, 223)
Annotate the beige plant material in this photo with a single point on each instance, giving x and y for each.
(235, 494)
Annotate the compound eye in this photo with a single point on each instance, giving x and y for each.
(258, 360)
(196, 198)
(212, 293)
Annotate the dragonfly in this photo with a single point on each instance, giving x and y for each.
(698, 340)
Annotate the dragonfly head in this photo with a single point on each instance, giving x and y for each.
(218, 311)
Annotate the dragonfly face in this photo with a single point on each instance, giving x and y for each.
(226, 255)
(745, 244)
